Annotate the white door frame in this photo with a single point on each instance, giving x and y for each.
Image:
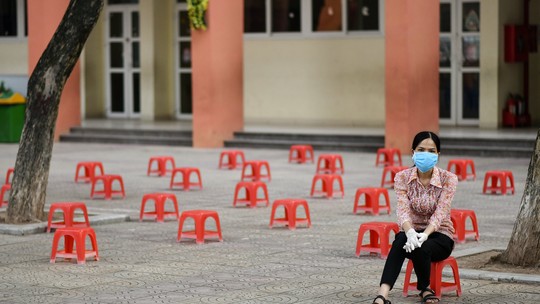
(179, 70)
(128, 70)
(456, 68)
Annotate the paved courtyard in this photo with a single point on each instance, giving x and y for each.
(141, 262)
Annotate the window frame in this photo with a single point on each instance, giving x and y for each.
(306, 25)
(21, 24)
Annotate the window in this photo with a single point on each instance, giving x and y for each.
(312, 16)
(13, 19)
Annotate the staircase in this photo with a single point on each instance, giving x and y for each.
(128, 136)
(457, 146)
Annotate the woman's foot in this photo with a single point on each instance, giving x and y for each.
(381, 300)
(428, 296)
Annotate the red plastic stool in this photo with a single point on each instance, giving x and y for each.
(495, 177)
(330, 164)
(5, 188)
(161, 165)
(232, 157)
(107, 191)
(199, 233)
(290, 219)
(393, 170)
(68, 208)
(251, 194)
(78, 236)
(459, 218)
(8, 175)
(159, 212)
(379, 238)
(89, 171)
(327, 181)
(186, 184)
(301, 154)
(460, 168)
(371, 204)
(256, 170)
(388, 157)
(436, 283)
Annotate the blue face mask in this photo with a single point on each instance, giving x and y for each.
(425, 161)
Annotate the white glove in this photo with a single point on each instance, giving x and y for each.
(408, 247)
(412, 238)
(422, 237)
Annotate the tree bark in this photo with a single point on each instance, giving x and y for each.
(524, 246)
(27, 197)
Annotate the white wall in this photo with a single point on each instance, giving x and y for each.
(315, 81)
(14, 64)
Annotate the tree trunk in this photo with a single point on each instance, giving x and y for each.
(524, 246)
(27, 197)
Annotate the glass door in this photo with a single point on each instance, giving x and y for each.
(123, 61)
(459, 62)
(183, 62)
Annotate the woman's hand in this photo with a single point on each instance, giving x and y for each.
(412, 238)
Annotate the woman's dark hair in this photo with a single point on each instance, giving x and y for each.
(426, 134)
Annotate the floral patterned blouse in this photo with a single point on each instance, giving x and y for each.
(421, 205)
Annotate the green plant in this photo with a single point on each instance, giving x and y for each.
(196, 10)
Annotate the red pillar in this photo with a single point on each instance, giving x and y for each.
(412, 70)
(43, 19)
(217, 71)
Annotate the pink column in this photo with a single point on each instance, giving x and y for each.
(43, 19)
(412, 70)
(217, 71)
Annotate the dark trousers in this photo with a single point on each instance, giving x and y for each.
(436, 248)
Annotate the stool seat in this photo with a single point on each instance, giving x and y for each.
(89, 171)
(77, 236)
(460, 166)
(9, 172)
(199, 233)
(388, 156)
(256, 167)
(371, 204)
(459, 218)
(301, 154)
(159, 213)
(235, 158)
(327, 185)
(290, 207)
(436, 283)
(161, 165)
(5, 188)
(107, 191)
(392, 171)
(186, 184)
(68, 209)
(251, 197)
(330, 164)
(498, 180)
(379, 238)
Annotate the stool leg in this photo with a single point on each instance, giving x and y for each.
(272, 215)
(94, 244)
(407, 280)
(56, 238)
(160, 209)
(291, 217)
(199, 230)
(359, 240)
(49, 220)
(180, 228)
(218, 228)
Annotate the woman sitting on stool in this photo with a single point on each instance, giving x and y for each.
(425, 195)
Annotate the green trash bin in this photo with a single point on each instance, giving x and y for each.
(12, 112)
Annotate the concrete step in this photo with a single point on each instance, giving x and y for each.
(131, 132)
(457, 146)
(115, 138)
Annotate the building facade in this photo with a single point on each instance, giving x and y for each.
(320, 62)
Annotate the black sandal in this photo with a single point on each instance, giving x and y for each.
(385, 301)
(430, 296)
